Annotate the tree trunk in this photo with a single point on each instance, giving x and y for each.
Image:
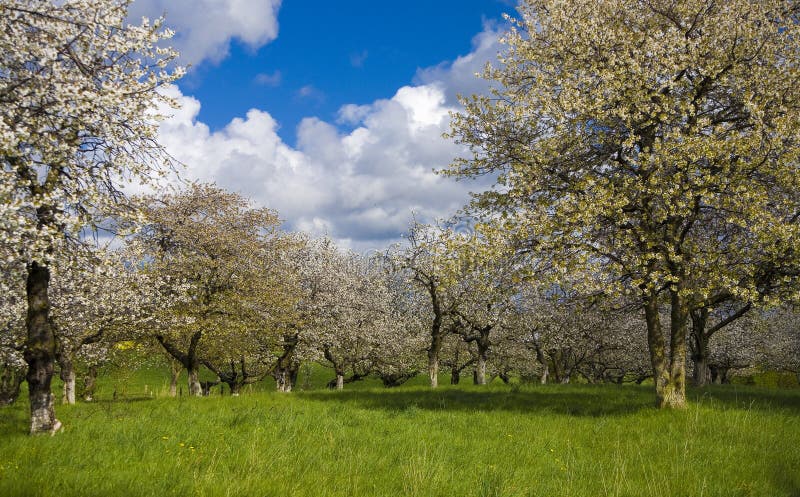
(283, 380)
(436, 338)
(89, 383)
(10, 382)
(544, 375)
(206, 386)
(433, 368)
(540, 357)
(701, 374)
(68, 377)
(40, 351)
(455, 375)
(482, 357)
(679, 328)
(188, 360)
(339, 381)
(195, 389)
(666, 394)
(175, 369)
(724, 378)
(235, 388)
(480, 369)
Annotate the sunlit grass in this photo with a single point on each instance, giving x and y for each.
(572, 440)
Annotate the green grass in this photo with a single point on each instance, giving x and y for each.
(572, 440)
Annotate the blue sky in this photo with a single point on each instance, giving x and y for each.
(328, 54)
(329, 112)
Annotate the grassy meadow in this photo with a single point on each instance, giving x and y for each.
(501, 440)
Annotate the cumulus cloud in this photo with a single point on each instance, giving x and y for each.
(205, 28)
(360, 186)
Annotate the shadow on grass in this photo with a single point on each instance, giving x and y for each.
(747, 397)
(570, 400)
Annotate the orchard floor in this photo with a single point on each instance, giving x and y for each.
(571, 440)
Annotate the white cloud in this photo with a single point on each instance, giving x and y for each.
(205, 28)
(360, 186)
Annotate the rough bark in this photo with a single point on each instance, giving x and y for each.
(40, 350)
(669, 371)
(679, 319)
(10, 382)
(657, 348)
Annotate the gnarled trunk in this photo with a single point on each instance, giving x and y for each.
(658, 354)
(669, 372)
(40, 350)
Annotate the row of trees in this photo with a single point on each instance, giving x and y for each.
(211, 282)
(646, 160)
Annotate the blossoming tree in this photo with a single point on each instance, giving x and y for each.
(652, 147)
(78, 116)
